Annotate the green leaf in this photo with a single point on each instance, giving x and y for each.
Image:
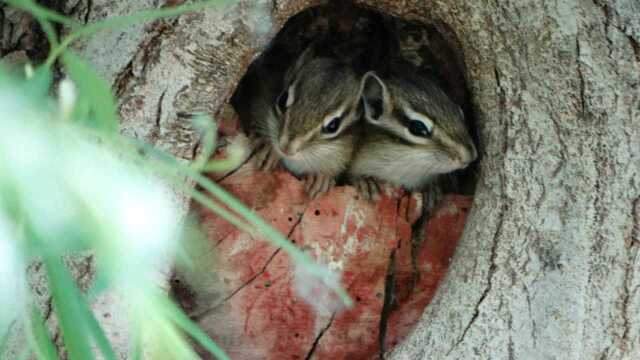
(172, 344)
(39, 338)
(25, 354)
(136, 352)
(38, 86)
(191, 328)
(66, 296)
(77, 322)
(176, 171)
(209, 138)
(98, 334)
(94, 93)
(4, 338)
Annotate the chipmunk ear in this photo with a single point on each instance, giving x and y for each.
(375, 97)
(285, 100)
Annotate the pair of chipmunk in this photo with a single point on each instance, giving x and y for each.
(328, 121)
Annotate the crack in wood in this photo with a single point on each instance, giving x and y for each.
(626, 297)
(147, 46)
(510, 345)
(2, 18)
(320, 334)
(154, 134)
(122, 79)
(635, 47)
(159, 110)
(629, 273)
(503, 210)
(86, 273)
(73, 9)
(635, 232)
(607, 22)
(389, 301)
(500, 91)
(490, 273)
(621, 28)
(88, 13)
(48, 309)
(580, 78)
(530, 312)
(208, 311)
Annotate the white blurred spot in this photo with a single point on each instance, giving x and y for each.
(317, 291)
(67, 96)
(28, 71)
(12, 291)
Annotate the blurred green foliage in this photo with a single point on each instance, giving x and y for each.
(70, 184)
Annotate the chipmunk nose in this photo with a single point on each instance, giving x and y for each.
(466, 155)
(286, 151)
(473, 153)
(289, 147)
(283, 144)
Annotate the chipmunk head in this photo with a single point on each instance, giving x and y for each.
(419, 114)
(319, 104)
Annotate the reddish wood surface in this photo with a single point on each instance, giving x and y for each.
(271, 310)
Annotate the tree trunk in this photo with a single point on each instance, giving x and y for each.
(548, 265)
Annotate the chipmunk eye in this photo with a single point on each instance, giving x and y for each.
(332, 126)
(418, 128)
(282, 101)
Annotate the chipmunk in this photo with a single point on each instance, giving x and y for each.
(317, 109)
(254, 102)
(412, 133)
(307, 127)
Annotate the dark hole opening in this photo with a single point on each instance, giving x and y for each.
(366, 39)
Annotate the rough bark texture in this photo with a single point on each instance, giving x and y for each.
(548, 266)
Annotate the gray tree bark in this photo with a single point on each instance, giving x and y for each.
(548, 266)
